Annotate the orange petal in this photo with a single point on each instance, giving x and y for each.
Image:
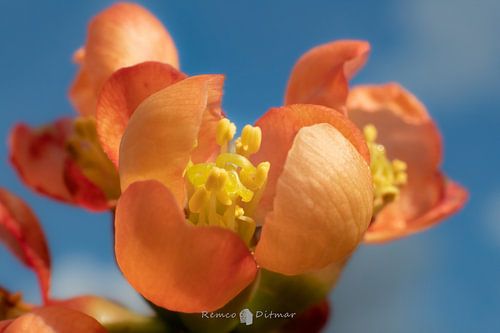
(54, 319)
(105, 311)
(323, 204)
(122, 93)
(321, 75)
(4, 324)
(82, 93)
(409, 134)
(41, 160)
(279, 127)
(123, 35)
(393, 225)
(23, 235)
(164, 130)
(172, 263)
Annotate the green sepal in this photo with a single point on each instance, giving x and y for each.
(194, 322)
(288, 294)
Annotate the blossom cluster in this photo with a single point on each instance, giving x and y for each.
(206, 219)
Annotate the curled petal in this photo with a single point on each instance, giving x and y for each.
(409, 134)
(323, 204)
(121, 95)
(391, 224)
(280, 126)
(164, 130)
(123, 35)
(172, 263)
(54, 319)
(23, 235)
(41, 159)
(38, 156)
(321, 75)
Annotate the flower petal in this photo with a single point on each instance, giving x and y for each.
(122, 93)
(123, 35)
(323, 204)
(82, 93)
(23, 235)
(321, 75)
(409, 134)
(172, 263)
(41, 160)
(163, 131)
(38, 156)
(392, 224)
(106, 312)
(4, 324)
(280, 126)
(54, 319)
(84, 193)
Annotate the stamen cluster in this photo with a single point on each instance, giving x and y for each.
(226, 192)
(388, 176)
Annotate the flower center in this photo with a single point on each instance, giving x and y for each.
(11, 305)
(388, 176)
(226, 192)
(86, 151)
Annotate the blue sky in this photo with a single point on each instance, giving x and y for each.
(446, 52)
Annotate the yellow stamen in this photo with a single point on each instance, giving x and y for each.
(216, 179)
(388, 176)
(86, 151)
(225, 133)
(221, 191)
(249, 142)
(12, 305)
(198, 200)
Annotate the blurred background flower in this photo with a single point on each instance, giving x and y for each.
(446, 52)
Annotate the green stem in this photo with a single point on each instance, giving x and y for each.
(151, 325)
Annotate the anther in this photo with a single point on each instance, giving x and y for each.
(216, 179)
(225, 131)
(250, 140)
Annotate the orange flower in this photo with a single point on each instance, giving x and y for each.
(202, 202)
(42, 160)
(64, 160)
(21, 232)
(401, 125)
(123, 35)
